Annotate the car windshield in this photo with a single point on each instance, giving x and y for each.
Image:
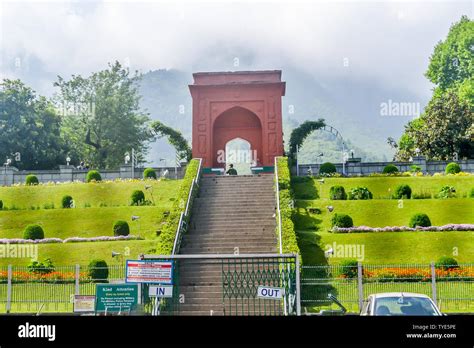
(404, 305)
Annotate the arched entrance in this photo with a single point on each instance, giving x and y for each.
(237, 123)
(240, 104)
(239, 153)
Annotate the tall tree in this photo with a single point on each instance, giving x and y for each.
(445, 129)
(102, 116)
(29, 125)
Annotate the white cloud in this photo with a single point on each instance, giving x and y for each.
(389, 41)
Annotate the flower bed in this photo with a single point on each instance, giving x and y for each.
(54, 277)
(68, 240)
(393, 274)
(364, 229)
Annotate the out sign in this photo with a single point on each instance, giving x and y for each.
(270, 292)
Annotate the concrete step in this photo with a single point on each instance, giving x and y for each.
(223, 231)
(190, 238)
(228, 245)
(229, 250)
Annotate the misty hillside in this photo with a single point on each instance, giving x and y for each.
(353, 107)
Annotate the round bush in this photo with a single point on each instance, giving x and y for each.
(402, 191)
(390, 168)
(337, 193)
(98, 271)
(137, 197)
(447, 192)
(121, 228)
(31, 180)
(33, 232)
(342, 220)
(93, 175)
(360, 193)
(348, 268)
(420, 219)
(471, 194)
(1, 204)
(327, 168)
(445, 263)
(149, 173)
(452, 168)
(67, 202)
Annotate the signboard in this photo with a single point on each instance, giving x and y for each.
(149, 271)
(116, 297)
(160, 291)
(84, 303)
(271, 293)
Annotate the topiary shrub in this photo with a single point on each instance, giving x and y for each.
(360, 193)
(327, 168)
(98, 271)
(121, 228)
(67, 202)
(390, 168)
(420, 219)
(452, 168)
(1, 204)
(471, 194)
(31, 180)
(149, 173)
(93, 175)
(137, 198)
(33, 232)
(348, 268)
(447, 192)
(341, 220)
(337, 193)
(446, 263)
(402, 191)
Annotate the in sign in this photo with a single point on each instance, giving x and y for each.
(160, 291)
(270, 292)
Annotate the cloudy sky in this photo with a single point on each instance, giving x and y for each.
(383, 40)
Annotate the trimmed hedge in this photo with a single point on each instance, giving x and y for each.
(402, 191)
(341, 220)
(327, 168)
(98, 271)
(93, 175)
(1, 204)
(288, 234)
(446, 263)
(390, 168)
(67, 202)
(31, 180)
(168, 233)
(452, 168)
(121, 228)
(337, 192)
(149, 173)
(360, 193)
(471, 194)
(420, 219)
(137, 198)
(33, 232)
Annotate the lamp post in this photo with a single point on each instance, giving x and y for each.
(150, 187)
(6, 164)
(137, 218)
(68, 159)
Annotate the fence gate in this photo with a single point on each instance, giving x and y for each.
(253, 284)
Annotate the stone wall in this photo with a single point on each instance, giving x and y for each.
(354, 166)
(11, 175)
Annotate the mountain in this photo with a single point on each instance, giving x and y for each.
(352, 106)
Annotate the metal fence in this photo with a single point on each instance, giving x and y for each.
(23, 290)
(43, 290)
(451, 287)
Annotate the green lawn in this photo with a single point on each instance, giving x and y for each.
(116, 193)
(379, 186)
(386, 247)
(98, 206)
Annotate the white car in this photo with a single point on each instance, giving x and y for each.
(399, 303)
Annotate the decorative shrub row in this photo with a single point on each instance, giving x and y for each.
(168, 234)
(444, 228)
(288, 234)
(338, 192)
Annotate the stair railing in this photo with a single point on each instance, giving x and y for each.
(277, 191)
(185, 215)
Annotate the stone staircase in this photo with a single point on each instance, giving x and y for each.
(232, 214)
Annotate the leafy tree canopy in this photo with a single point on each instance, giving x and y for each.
(175, 138)
(299, 134)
